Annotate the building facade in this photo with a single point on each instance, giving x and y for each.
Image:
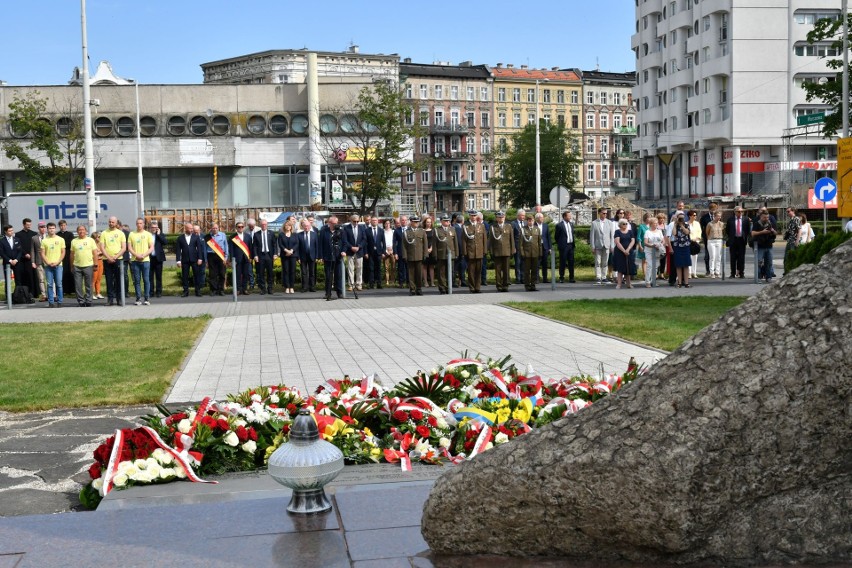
(719, 94)
(610, 166)
(454, 106)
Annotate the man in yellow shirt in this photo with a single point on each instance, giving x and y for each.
(84, 251)
(113, 245)
(140, 245)
(52, 254)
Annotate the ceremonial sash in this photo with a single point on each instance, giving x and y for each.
(238, 242)
(217, 249)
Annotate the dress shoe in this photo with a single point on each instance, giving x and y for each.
(159, 295)
(220, 293)
(419, 293)
(262, 292)
(184, 295)
(379, 286)
(411, 292)
(562, 281)
(198, 294)
(328, 298)
(313, 289)
(572, 281)
(339, 295)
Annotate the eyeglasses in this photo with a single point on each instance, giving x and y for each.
(240, 226)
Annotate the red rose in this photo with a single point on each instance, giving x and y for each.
(252, 434)
(400, 416)
(210, 422)
(273, 406)
(291, 408)
(95, 470)
(284, 429)
(433, 422)
(423, 431)
(416, 414)
(242, 433)
(223, 424)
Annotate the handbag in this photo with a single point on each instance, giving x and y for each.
(694, 248)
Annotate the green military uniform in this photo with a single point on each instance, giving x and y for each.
(474, 243)
(501, 243)
(415, 247)
(530, 246)
(444, 241)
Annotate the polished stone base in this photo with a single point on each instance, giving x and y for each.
(309, 502)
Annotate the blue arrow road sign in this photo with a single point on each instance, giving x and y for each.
(825, 189)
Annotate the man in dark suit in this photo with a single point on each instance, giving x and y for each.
(737, 229)
(331, 253)
(355, 246)
(460, 264)
(265, 250)
(308, 255)
(564, 235)
(375, 249)
(546, 244)
(241, 245)
(158, 257)
(518, 225)
(190, 256)
(12, 254)
(401, 265)
(26, 274)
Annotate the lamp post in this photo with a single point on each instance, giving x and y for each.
(537, 147)
(88, 152)
(139, 180)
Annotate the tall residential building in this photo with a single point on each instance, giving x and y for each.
(560, 95)
(610, 166)
(453, 104)
(719, 93)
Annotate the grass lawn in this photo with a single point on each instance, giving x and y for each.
(92, 364)
(663, 323)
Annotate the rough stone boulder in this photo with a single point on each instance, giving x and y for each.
(736, 449)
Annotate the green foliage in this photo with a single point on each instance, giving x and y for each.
(812, 252)
(50, 161)
(829, 92)
(516, 163)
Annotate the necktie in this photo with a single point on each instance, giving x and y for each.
(264, 242)
(308, 238)
(355, 232)
(739, 228)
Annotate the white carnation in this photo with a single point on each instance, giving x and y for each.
(256, 398)
(167, 472)
(158, 454)
(98, 483)
(180, 473)
(165, 458)
(273, 398)
(140, 464)
(249, 447)
(444, 442)
(489, 445)
(442, 424)
(154, 470)
(239, 422)
(184, 426)
(465, 375)
(142, 477)
(231, 438)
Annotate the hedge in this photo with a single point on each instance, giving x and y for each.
(812, 252)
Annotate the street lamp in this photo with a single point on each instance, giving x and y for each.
(603, 158)
(88, 150)
(139, 181)
(537, 147)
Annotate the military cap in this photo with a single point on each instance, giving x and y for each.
(500, 214)
(445, 217)
(414, 219)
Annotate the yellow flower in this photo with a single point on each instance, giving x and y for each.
(367, 432)
(503, 415)
(524, 411)
(503, 402)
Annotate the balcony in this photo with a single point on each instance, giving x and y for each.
(448, 129)
(625, 183)
(624, 131)
(450, 186)
(452, 156)
(625, 156)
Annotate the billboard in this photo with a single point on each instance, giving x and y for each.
(71, 206)
(844, 177)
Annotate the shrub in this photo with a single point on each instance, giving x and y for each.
(812, 252)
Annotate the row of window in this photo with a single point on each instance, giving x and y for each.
(454, 145)
(455, 118)
(592, 171)
(617, 146)
(437, 92)
(454, 174)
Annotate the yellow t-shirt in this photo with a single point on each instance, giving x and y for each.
(139, 242)
(84, 250)
(112, 240)
(51, 249)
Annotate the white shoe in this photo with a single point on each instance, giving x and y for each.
(146, 303)
(138, 302)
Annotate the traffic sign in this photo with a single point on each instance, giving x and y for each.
(560, 196)
(825, 189)
(807, 119)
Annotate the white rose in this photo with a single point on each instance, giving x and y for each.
(184, 426)
(489, 445)
(231, 438)
(124, 466)
(180, 473)
(501, 438)
(167, 472)
(98, 483)
(141, 464)
(119, 480)
(131, 471)
(142, 477)
(442, 424)
(239, 422)
(274, 399)
(165, 458)
(256, 398)
(249, 447)
(444, 442)
(154, 470)
(465, 374)
(157, 454)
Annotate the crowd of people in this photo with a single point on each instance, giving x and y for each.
(405, 252)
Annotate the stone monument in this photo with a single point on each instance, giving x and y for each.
(736, 449)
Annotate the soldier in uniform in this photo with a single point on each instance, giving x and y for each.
(530, 247)
(474, 242)
(414, 249)
(501, 243)
(444, 241)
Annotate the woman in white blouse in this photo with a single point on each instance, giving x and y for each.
(654, 248)
(806, 233)
(387, 257)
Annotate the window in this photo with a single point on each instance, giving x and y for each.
(706, 85)
(590, 120)
(705, 52)
(471, 120)
(454, 144)
(483, 94)
(811, 18)
(705, 21)
(673, 37)
(590, 145)
(590, 172)
(439, 92)
(546, 117)
(485, 120)
(605, 145)
(674, 123)
(673, 95)
(616, 120)
(409, 91)
(516, 95)
(604, 120)
(439, 144)
(486, 144)
(616, 99)
(471, 173)
(471, 144)
(516, 120)
(439, 173)
(486, 173)
(575, 97)
(560, 118)
(560, 97)
(575, 121)
(486, 201)
(454, 117)
(424, 176)
(424, 118)
(424, 145)
(409, 177)
(604, 172)
(471, 201)
(817, 50)
(471, 93)
(531, 118)
(501, 94)
(603, 97)
(530, 95)
(504, 146)
(545, 96)
(590, 97)
(454, 93)
(409, 118)
(424, 91)
(629, 121)
(501, 119)
(706, 115)
(439, 117)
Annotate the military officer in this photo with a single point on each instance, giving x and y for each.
(530, 247)
(501, 243)
(474, 244)
(415, 248)
(444, 241)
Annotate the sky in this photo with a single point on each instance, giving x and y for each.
(158, 41)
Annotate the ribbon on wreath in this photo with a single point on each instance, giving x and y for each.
(401, 454)
(463, 363)
(496, 377)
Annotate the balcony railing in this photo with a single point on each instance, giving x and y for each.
(449, 129)
(453, 156)
(629, 156)
(625, 130)
(625, 182)
(450, 185)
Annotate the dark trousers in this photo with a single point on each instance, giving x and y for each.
(68, 282)
(243, 268)
(309, 274)
(519, 264)
(460, 268)
(484, 271)
(415, 276)
(706, 258)
(474, 271)
(185, 269)
(373, 268)
(156, 276)
(672, 269)
(332, 277)
(23, 272)
(216, 273)
(566, 258)
(288, 271)
(264, 272)
(544, 262)
(530, 271)
(401, 271)
(112, 271)
(738, 253)
(501, 272)
(441, 276)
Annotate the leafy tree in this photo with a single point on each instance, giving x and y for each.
(831, 91)
(516, 164)
(50, 157)
(379, 146)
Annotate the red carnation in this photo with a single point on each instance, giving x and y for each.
(252, 434)
(416, 414)
(423, 431)
(348, 419)
(223, 424)
(95, 470)
(291, 408)
(210, 422)
(433, 422)
(242, 433)
(273, 406)
(400, 416)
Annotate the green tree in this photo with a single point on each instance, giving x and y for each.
(829, 92)
(51, 156)
(372, 156)
(516, 164)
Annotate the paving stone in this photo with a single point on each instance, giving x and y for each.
(33, 461)
(44, 443)
(25, 501)
(85, 426)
